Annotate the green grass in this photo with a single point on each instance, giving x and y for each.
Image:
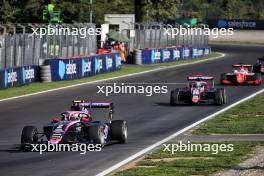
(245, 118)
(190, 163)
(126, 69)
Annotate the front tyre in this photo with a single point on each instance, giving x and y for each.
(96, 133)
(174, 97)
(119, 131)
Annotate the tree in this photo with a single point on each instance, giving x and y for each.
(158, 10)
(9, 11)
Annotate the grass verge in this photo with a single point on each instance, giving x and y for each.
(190, 163)
(245, 118)
(126, 70)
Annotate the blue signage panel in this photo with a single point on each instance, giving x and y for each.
(17, 76)
(66, 69)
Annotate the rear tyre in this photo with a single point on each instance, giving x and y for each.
(174, 97)
(224, 95)
(223, 77)
(257, 77)
(119, 131)
(29, 135)
(256, 68)
(96, 133)
(219, 100)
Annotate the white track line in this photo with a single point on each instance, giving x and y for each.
(117, 77)
(148, 149)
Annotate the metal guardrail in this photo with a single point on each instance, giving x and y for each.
(19, 46)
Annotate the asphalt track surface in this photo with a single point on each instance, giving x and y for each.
(149, 118)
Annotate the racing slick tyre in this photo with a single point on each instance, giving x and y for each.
(174, 97)
(223, 95)
(219, 100)
(29, 135)
(119, 131)
(257, 77)
(223, 77)
(96, 133)
(256, 68)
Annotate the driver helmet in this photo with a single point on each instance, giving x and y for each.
(74, 116)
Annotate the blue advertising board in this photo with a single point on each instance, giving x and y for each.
(176, 54)
(152, 56)
(147, 56)
(156, 56)
(166, 55)
(64, 69)
(17, 76)
(67, 69)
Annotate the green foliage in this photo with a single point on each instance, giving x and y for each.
(157, 10)
(15, 11)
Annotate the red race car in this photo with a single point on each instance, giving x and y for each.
(198, 91)
(242, 74)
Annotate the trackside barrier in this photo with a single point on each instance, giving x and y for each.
(60, 69)
(17, 76)
(170, 54)
(75, 68)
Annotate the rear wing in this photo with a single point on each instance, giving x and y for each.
(248, 66)
(200, 78)
(242, 65)
(76, 104)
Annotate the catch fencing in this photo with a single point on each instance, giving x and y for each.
(160, 35)
(20, 46)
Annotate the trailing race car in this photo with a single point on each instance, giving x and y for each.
(198, 91)
(242, 74)
(78, 126)
(259, 66)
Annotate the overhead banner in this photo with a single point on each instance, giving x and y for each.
(236, 24)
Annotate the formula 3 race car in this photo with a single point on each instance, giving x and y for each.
(198, 91)
(242, 74)
(259, 66)
(78, 126)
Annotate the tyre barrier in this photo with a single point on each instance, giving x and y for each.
(45, 73)
(138, 57)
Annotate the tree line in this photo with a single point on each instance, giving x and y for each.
(18, 11)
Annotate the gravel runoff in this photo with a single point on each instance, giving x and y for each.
(254, 166)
